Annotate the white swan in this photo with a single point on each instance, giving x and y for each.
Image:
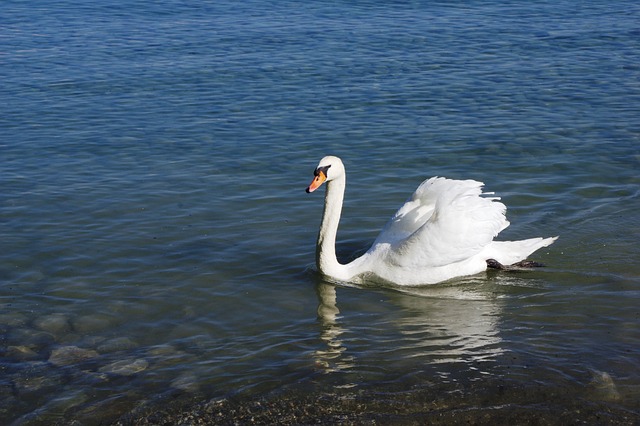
(444, 230)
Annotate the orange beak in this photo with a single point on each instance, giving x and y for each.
(317, 181)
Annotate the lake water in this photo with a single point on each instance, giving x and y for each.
(157, 246)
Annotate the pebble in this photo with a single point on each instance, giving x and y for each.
(68, 355)
(125, 367)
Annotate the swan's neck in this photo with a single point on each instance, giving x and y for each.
(326, 259)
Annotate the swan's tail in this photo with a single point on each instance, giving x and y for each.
(510, 252)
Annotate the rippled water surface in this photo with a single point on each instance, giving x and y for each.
(157, 246)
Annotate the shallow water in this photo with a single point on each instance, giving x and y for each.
(157, 244)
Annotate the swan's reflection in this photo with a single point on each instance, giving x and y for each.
(330, 359)
(451, 323)
(456, 322)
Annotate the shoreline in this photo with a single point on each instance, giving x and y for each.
(498, 403)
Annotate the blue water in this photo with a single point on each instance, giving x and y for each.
(157, 245)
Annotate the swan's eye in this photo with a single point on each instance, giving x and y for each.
(321, 169)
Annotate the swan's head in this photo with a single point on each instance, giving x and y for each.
(328, 169)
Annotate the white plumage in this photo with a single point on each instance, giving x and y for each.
(444, 230)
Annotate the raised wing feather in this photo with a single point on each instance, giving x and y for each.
(411, 216)
(444, 222)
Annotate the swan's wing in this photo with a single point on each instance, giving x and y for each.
(444, 222)
(411, 216)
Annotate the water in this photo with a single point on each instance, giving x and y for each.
(157, 245)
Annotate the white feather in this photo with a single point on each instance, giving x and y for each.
(444, 230)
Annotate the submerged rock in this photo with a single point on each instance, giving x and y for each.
(32, 338)
(21, 353)
(125, 367)
(55, 408)
(36, 377)
(91, 323)
(55, 323)
(116, 345)
(187, 382)
(603, 387)
(168, 355)
(13, 319)
(68, 355)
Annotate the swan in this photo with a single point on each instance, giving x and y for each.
(444, 230)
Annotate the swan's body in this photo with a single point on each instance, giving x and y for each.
(444, 230)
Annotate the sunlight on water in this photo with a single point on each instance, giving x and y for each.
(158, 247)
